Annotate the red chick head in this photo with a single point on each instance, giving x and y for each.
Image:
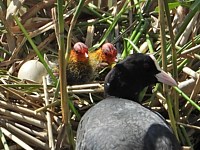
(109, 53)
(79, 52)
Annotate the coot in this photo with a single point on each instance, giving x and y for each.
(119, 122)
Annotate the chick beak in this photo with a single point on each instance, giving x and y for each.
(165, 78)
(86, 55)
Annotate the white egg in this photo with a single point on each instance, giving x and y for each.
(32, 70)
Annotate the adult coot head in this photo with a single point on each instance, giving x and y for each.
(119, 122)
(134, 73)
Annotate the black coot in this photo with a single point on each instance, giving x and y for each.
(119, 122)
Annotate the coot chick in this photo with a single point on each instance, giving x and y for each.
(79, 70)
(102, 60)
(119, 122)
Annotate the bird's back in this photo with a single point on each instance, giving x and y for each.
(120, 124)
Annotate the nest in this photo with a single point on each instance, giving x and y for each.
(31, 113)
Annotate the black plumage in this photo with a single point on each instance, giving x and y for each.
(119, 123)
(130, 76)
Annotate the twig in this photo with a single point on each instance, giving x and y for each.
(23, 118)
(191, 50)
(84, 86)
(190, 72)
(18, 94)
(16, 139)
(23, 110)
(28, 138)
(49, 121)
(41, 135)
